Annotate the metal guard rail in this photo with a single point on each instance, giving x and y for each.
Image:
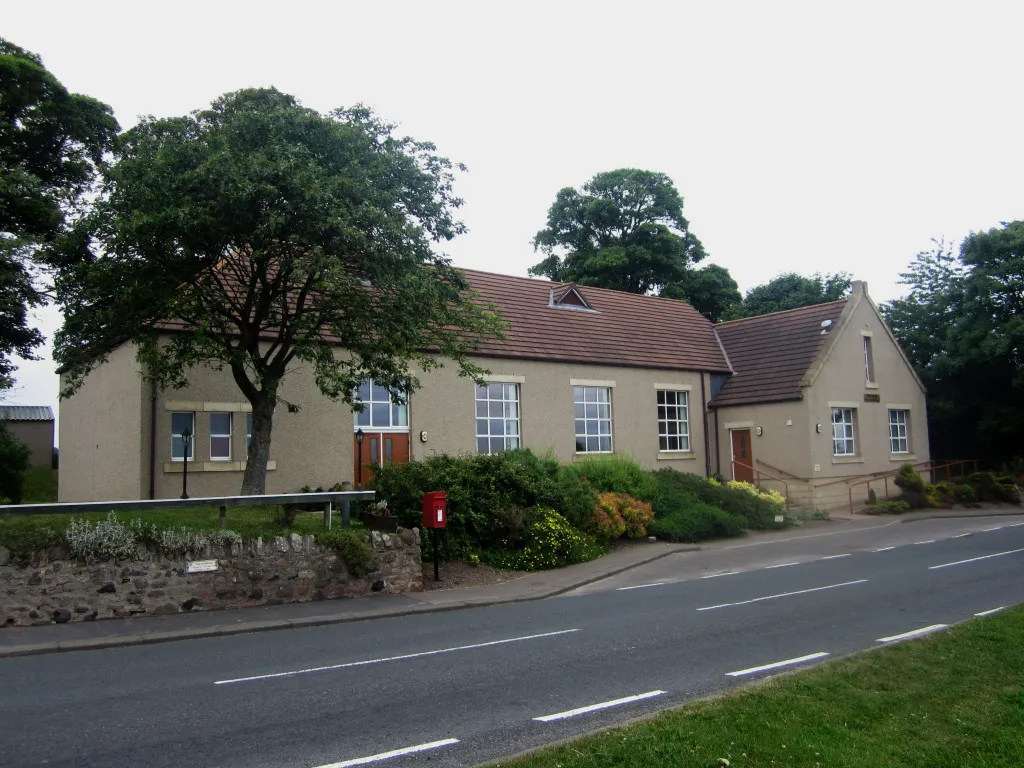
(325, 500)
(770, 477)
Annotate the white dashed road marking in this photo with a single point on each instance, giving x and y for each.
(596, 707)
(783, 594)
(990, 611)
(912, 633)
(975, 559)
(393, 753)
(777, 664)
(641, 586)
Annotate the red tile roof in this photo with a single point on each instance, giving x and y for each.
(771, 353)
(622, 329)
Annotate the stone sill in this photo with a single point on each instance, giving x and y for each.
(870, 385)
(178, 467)
(847, 459)
(903, 458)
(676, 456)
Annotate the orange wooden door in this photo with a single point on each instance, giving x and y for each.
(742, 456)
(379, 448)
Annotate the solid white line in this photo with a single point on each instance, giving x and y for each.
(834, 557)
(884, 549)
(783, 594)
(716, 575)
(641, 586)
(997, 528)
(777, 664)
(990, 611)
(1013, 525)
(912, 633)
(975, 559)
(595, 707)
(781, 565)
(930, 541)
(961, 535)
(392, 753)
(394, 658)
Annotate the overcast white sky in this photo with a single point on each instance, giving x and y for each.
(803, 137)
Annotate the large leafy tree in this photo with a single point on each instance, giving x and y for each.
(51, 143)
(710, 289)
(264, 235)
(623, 230)
(962, 326)
(790, 291)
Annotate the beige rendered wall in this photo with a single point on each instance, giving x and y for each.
(38, 437)
(841, 382)
(101, 434)
(782, 443)
(445, 409)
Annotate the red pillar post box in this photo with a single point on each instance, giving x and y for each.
(435, 509)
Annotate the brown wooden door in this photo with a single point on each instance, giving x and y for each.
(379, 448)
(742, 456)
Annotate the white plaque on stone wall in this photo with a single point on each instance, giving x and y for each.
(201, 566)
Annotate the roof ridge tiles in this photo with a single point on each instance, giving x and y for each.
(781, 312)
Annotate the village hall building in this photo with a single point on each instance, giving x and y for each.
(807, 401)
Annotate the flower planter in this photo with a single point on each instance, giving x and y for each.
(385, 523)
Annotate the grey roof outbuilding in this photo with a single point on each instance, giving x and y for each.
(26, 413)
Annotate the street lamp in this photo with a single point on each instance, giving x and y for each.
(359, 459)
(186, 443)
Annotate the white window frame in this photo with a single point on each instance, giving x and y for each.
(248, 432)
(682, 425)
(367, 412)
(213, 435)
(848, 433)
(192, 442)
(587, 395)
(509, 415)
(869, 361)
(895, 439)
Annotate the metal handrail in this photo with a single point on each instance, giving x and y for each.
(770, 476)
(962, 463)
(325, 499)
(779, 469)
(880, 473)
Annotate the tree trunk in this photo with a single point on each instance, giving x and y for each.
(254, 481)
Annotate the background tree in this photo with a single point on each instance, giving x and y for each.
(51, 143)
(962, 326)
(710, 289)
(14, 460)
(790, 291)
(624, 230)
(269, 234)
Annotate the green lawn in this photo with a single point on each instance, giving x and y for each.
(954, 699)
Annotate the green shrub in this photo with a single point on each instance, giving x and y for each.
(549, 541)
(616, 474)
(480, 489)
(14, 458)
(907, 479)
(696, 522)
(757, 509)
(352, 547)
(872, 497)
(893, 507)
(988, 486)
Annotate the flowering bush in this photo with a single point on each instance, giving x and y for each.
(772, 496)
(549, 541)
(112, 539)
(616, 514)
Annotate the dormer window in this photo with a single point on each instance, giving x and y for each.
(569, 297)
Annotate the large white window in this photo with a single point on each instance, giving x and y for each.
(380, 411)
(843, 420)
(899, 431)
(673, 421)
(592, 407)
(220, 437)
(182, 422)
(497, 417)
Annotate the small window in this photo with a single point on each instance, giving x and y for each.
(497, 417)
(180, 424)
(673, 421)
(842, 431)
(220, 437)
(380, 409)
(248, 432)
(899, 431)
(592, 407)
(869, 362)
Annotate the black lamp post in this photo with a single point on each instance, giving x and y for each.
(186, 443)
(359, 459)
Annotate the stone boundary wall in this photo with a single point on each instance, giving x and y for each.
(282, 570)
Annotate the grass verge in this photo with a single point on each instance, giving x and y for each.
(954, 699)
(40, 486)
